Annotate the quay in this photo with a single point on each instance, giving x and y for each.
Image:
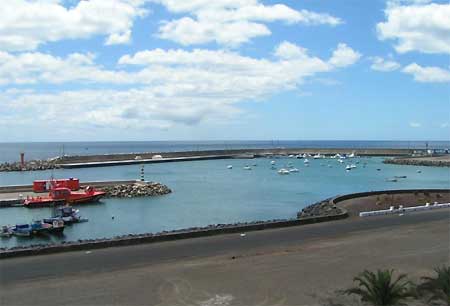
(106, 160)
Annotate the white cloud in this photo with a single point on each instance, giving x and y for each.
(415, 124)
(231, 22)
(381, 64)
(35, 67)
(166, 87)
(417, 26)
(427, 74)
(26, 24)
(344, 56)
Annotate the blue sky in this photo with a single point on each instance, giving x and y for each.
(225, 69)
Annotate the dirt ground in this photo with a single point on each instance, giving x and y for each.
(384, 201)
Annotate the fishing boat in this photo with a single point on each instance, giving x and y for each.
(21, 230)
(67, 214)
(37, 227)
(63, 195)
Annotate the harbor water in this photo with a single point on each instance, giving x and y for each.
(207, 192)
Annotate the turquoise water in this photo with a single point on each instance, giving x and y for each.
(206, 192)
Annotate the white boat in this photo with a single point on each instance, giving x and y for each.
(306, 161)
(230, 167)
(247, 168)
(352, 155)
(283, 171)
(272, 162)
(294, 170)
(348, 168)
(353, 166)
(341, 161)
(291, 156)
(317, 156)
(299, 156)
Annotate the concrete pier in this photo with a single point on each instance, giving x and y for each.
(147, 157)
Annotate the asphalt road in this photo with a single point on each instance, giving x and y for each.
(22, 269)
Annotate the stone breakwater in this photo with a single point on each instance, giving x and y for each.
(32, 165)
(144, 189)
(432, 162)
(319, 209)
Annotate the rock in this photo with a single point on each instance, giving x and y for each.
(136, 190)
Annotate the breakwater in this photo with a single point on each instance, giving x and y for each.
(81, 161)
(32, 165)
(138, 189)
(430, 161)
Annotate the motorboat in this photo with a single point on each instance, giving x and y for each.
(348, 168)
(247, 168)
(283, 171)
(341, 161)
(5, 231)
(272, 162)
(230, 167)
(306, 161)
(294, 170)
(67, 214)
(317, 156)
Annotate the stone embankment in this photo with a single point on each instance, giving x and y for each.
(140, 189)
(432, 161)
(32, 165)
(320, 209)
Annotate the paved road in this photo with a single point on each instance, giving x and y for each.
(17, 270)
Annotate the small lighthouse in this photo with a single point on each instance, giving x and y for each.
(22, 160)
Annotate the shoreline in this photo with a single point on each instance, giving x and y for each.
(210, 230)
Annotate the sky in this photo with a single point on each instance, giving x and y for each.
(104, 70)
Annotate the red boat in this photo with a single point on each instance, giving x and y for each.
(63, 195)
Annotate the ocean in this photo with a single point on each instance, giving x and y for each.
(42, 150)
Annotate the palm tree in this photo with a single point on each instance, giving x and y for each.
(438, 287)
(379, 289)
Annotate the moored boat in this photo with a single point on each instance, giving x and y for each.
(63, 195)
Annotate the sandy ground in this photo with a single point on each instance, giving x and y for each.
(293, 266)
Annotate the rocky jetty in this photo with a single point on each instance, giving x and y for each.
(32, 165)
(139, 189)
(420, 161)
(323, 208)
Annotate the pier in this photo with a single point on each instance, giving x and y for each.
(108, 160)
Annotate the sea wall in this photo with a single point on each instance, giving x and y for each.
(132, 239)
(257, 152)
(422, 161)
(341, 198)
(59, 162)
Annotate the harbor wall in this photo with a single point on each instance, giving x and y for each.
(126, 240)
(231, 153)
(345, 197)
